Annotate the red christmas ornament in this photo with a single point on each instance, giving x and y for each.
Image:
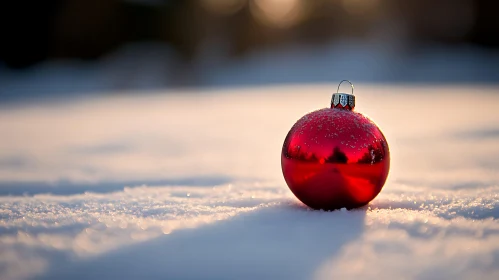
(335, 158)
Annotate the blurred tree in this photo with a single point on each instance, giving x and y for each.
(337, 156)
(32, 31)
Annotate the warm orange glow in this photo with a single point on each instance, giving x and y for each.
(278, 13)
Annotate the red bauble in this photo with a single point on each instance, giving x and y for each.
(335, 158)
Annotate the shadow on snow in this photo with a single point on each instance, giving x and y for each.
(278, 242)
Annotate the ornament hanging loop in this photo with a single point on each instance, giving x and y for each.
(338, 90)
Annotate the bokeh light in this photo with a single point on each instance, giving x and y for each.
(278, 13)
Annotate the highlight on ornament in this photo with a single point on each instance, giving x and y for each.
(335, 157)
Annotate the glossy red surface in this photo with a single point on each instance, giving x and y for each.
(335, 158)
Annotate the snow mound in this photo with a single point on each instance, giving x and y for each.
(185, 185)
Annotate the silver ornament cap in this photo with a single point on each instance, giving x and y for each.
(343, 100)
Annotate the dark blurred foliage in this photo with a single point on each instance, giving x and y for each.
(32, 31)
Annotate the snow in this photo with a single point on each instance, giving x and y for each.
(187, 184)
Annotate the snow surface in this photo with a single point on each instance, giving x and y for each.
(187, 185)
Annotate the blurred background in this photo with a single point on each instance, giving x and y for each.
(81, 47)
